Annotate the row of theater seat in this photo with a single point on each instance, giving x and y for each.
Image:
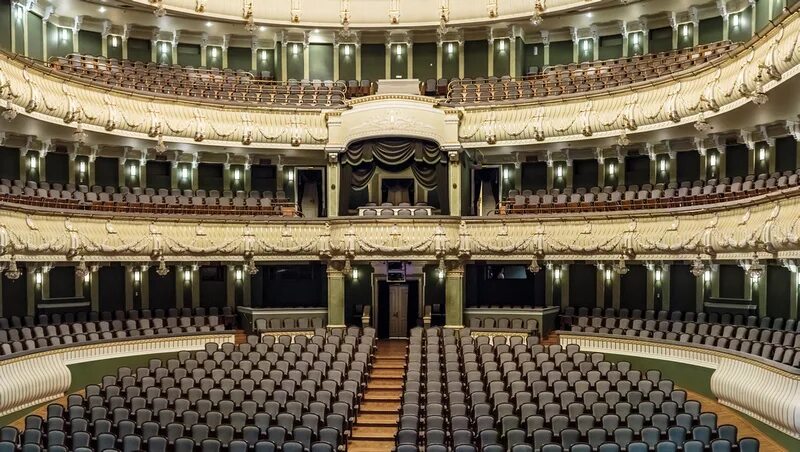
(20, 335)
(206, 84)
(499, 323)
(569, 79)
(647, 196)
(216, 399)
(765, 322)
(528, 397)
(302, 322)
(776, 345)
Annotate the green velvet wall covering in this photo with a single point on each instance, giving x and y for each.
(710, 30)
(139, 50)
(9, 163)
(520, 57)
(585, 50)
(58, 43)
(213, 57)
(635, 44)
(424, 65)
(35, 37)
(19, 31)
(660, 39)
(164, 53)
(278, 61)
(189, 55)
(502, 57)
(398, 67)
(90, 43)
(561, 52)
(294, 61)
(265, 62)
(5, 24)
(744, 30)
(762, 13)
(476, 59)
(373, 62)
(114, 51)
(320, 61)
(778, 293)
(534, 57)
(685, 35)
(610, 47)
(240, 58)
(785, 154)
(450, 60)
(347, 62)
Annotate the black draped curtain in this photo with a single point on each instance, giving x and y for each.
(362, 159)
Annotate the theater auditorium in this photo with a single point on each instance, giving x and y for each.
(399, 225)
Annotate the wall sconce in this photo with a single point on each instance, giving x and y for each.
(559, 171)
(137, 276)
(133, 169)
(754, 278)
(585, 46)
(712, 160)
(707, 276)
(214, 52)
(187, 276)
(762, 154)
(237, 175)
(238, 275)
(440, 274)
(501, 46)
(290, 176)
(557, 274)
(264, 55)
(184, 173)
(636, 39)
(354, 274)
(612, 169)
(608, 274)
(346, 50)
(37, 277)
(82, 167)
(295, 48)
(398, 49)
(735, 20)
(685, 31)
(64, 33)
(506, 174)
(114, 42)
(33, 162)
(164, 47)
(662, 165)
(658, 275)
(87, 277)
(451, 48)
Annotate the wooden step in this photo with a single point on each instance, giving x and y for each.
(374, 432)
(362, 445)
(387, 373)
(387, 395)
(390, 364)
(368, 419)
(386, 383)
(379, 407)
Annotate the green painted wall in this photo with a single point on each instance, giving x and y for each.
(710, 30)
(265, 61)
(561, 52)
(278, 61)
(777, 7)
(610, 47)
(139, 50)
(534, 56)
(398, 67)
(114, 52)
(476, 58)
(58, 45)
(35, 37)
(373, 62)
(347, 62)
(320, 61)
(744, 30)
(450, 60)
(762, 13)
(294, 61)
(520, 57)
(90, 43)
(164, 53)
(240, 58)
(585, 50)
(5, 24)
(635, 47)
(189, 55)
(502, 57)
(211, 59)
(424, 65)
(19, 32)
(685, 35)
(660, 40)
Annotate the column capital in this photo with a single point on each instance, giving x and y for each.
(545, 37)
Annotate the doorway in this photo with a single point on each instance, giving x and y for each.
(486, 190)
(398, 308)
(309, 192)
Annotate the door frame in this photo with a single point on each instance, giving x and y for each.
(500, 186)
(379, 274)
(324, 188)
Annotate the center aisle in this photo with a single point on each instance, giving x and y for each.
(376, 423)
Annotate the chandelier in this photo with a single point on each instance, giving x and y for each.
(394, 11)
(534, 266)
(444, 16)
(12, 272)
(160, 11)
(247, 15)
(162, 269)
(344, 18)
(754, 269)
(620, 267)
(538, 9)
(623, 139)
(250, 266)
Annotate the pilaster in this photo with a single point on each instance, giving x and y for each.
(454, 296)
(454, 180)
(333, 178)
(335, 296)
